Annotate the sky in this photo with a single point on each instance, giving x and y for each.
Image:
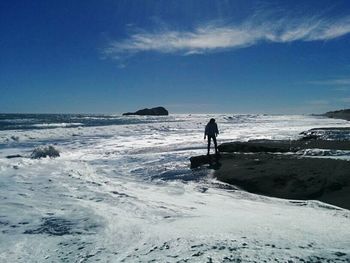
(190, 56)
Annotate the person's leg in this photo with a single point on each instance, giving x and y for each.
(216, 145)
(209, 139)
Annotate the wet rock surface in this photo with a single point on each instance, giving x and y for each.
(282, 146)
(45, 151)
(284, 169)
(288, 176)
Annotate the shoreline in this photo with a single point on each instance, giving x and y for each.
(277, 169)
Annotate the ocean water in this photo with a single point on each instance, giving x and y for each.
(122, 191)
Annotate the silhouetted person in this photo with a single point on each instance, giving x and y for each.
(211, 130)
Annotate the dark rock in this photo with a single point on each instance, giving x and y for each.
(212, 160)
(329, 133)
(14, 156)
(158, 111)
(339, 254)
(290, 176)
(256, 146)
(339, 114)
(15, 138)
(282, 146)
(310, 135)
(45, 151)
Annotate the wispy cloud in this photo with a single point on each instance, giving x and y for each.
(346, 100)
(331, 82)
(318, 102)
(343, 89)
(214, 37)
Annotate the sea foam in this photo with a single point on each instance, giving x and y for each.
(125, 192)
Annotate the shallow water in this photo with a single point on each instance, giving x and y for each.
(122, 190)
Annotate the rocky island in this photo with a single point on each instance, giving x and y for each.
(157, 111)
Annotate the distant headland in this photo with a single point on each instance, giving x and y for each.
(339, 114)
(157, 111)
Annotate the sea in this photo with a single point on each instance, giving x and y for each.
(122, 190)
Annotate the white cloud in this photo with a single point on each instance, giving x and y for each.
(331, 82)
(214, 37)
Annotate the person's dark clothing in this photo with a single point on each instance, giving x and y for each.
(211, 130)
(215, 143)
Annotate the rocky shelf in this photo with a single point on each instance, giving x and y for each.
(280, 169)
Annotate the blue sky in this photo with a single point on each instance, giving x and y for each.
(200, 56)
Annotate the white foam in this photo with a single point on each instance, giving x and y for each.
(55, 125)
(121, 193)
